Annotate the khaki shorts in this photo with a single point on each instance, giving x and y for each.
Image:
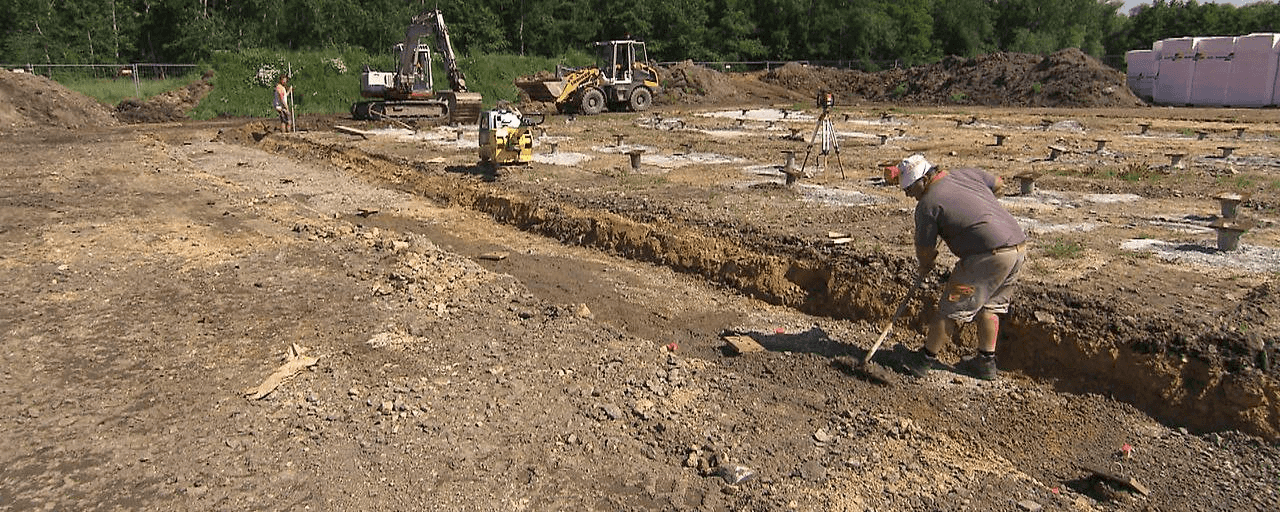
(982, 281)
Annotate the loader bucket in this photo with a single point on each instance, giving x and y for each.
(542, 90)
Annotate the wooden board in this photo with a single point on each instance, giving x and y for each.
(1119, 479)
(351, 131)
(743, 344)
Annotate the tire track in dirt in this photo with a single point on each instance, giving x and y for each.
(1057, 336)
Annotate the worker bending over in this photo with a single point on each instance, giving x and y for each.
(961, 207)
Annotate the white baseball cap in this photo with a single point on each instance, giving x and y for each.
(912, 169)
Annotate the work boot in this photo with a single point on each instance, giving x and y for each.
(919, 363)
(979, 367)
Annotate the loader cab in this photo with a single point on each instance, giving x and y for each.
(617, 59)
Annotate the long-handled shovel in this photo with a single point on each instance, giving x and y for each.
(874, 372)
(293, 126)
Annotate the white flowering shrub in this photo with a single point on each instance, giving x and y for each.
(266, 76)
(336, 65)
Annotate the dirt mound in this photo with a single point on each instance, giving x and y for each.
(1067, 78)
(689, 83)
(167, 107)
(539, 76)
(686, 83)
(33, 100)
(246, 134)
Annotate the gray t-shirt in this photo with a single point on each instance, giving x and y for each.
(962, 209)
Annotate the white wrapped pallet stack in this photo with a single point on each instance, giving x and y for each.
(1211, 76)
(1141, 75)
(1254, 71)
(1239, 71)
(1177, 65)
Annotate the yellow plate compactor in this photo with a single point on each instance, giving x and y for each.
(506, 136)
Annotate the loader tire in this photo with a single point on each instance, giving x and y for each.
(592, 102)
(641, 99)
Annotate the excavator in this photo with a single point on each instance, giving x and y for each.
(622, 79)
(406, 93)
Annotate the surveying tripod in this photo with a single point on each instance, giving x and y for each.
(827, 131)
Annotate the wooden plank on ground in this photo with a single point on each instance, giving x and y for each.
(1125, 481)
(743, 344)
(351, 131)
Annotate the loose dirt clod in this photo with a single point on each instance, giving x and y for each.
(295, 363)
(868, 371)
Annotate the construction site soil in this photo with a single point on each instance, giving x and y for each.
(355, 316)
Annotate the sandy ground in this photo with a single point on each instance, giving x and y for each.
(550, 336)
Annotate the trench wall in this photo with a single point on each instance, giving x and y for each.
(1047, 340)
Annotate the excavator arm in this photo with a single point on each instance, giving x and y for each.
(407, 70)
(433, 21)
(408, 92)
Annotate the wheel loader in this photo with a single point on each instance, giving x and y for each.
(406, 93)
(622, 79)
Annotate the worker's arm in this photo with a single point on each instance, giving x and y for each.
(927, 255)
(998, 188)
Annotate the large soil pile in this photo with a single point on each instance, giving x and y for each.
(33, 100)
(1067, 78)
(689, 83)
(167, 107)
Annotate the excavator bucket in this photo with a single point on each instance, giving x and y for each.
(465, 107)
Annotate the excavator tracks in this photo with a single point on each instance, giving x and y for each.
(451, 108)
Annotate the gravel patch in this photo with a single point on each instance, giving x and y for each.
(837, 197)
(1035, 227)
(1248, 258)
(562, 158)
(760, 114)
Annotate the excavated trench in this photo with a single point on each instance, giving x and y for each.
(1081, 344)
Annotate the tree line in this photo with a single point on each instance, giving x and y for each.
(905, 31)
